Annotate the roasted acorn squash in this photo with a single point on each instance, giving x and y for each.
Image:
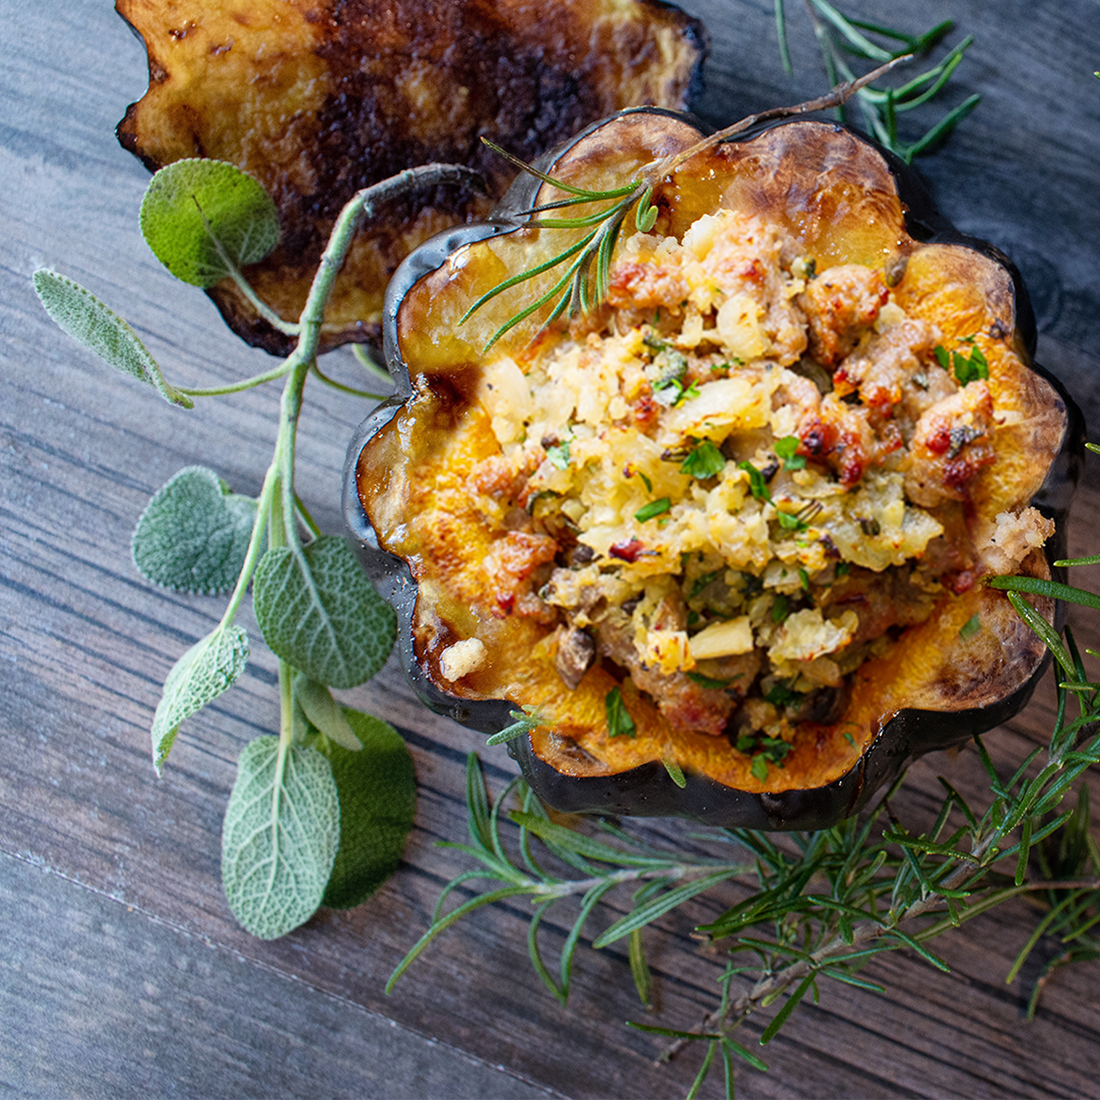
(790, 668)
(318, 99)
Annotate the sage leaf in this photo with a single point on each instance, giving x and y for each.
(80, 314)
(324, 712)
(194, 534)
(279, 836)
(212, 665)
(194, 206)
(321, 614)
(377, 808)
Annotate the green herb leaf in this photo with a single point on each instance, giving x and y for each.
(279, 837)
(705, 460)
(653, 509)
(320, 613)
(619, 722)
(942, 356)
(757, 485)
(971, 369)
(787, 449)
(194, 533)
(558, 453)
(211, 666)
(81, 315)
(675, 772)
(324, 712)
(377, 789)
(198, 214)
(760, 767)
(971, 626)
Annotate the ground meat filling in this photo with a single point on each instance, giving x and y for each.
(748, 479)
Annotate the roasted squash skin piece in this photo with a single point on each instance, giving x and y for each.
(425, 543)
(318, 98)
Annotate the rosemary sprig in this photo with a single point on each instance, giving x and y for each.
(817, 907)
(584, 283)
(840, 37)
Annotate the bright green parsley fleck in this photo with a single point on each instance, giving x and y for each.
(781, 608)
(970, 627)
(710, 681)
(757, 484)
(787, 449)
(653, 509)
(782, 696)
(790, 521)
(645, 481)
(558, 453)
(942, 356)
(972, 369)
(804, 579)
(701, 582)
(705, 460)
(760, 767)
(850, 739)
(619, 722)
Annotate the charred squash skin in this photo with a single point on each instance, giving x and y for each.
(846, 202)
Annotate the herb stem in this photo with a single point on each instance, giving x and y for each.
(237, 387)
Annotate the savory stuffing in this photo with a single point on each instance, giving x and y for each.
(741, 481)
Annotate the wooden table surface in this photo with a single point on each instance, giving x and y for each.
(123, 973)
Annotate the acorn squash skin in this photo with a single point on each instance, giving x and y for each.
(974, 699)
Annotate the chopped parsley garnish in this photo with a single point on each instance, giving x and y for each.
(787, 449)
(764, 751)
(972, 369)
(790, 521)
(619, 722)
(558, 453)
(779, 695)
(781, 608)
(967, 368)
(653, 509)
(757, 484)
(970, 627)
(702, 581)
(710, 681)
(705, 460)
(842, 568)
(804, 579)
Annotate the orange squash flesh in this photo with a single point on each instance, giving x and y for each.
(837, 196)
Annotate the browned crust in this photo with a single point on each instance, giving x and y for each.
(318, 98)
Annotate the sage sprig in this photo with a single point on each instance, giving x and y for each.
(308, 820)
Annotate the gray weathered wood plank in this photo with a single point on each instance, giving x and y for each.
(85, 645)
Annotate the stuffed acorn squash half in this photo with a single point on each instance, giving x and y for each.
(725, 532)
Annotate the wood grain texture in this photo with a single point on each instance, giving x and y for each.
(85, 645)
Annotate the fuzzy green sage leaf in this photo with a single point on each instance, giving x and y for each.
(377, 789)
(320, 613)
(324, 712)
(80, 314)
(199, 216)
(211, 666)
(194, 534)
(279, 837)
